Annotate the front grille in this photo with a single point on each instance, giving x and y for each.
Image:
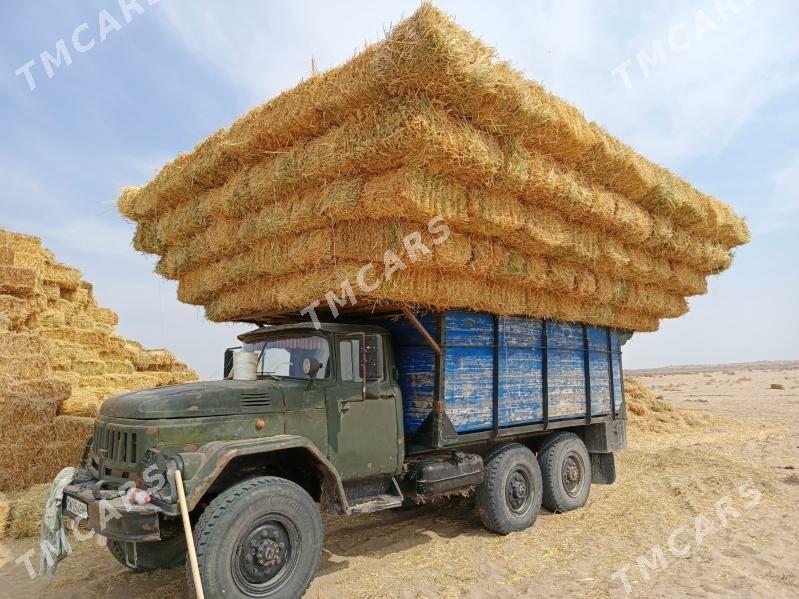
(116, 445)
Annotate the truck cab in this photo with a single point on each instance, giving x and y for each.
(345, 418)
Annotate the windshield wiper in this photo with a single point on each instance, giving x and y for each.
(272, 376)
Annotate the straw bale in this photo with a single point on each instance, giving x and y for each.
(425, 288)
(367, 241)
(17, 281)
(19, 242)
(18, 409)
(86, 401)
(25, 367)
(157, 360)
(72, 431)
(63, 276)
(5, 515)
(96, 339)
(22, 343)
(44, 388)
(543, 182)
(424, 55)
(418, 196)
(27, 511)
(6, 256)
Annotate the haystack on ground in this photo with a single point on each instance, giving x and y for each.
(60, 357)
(550, 216)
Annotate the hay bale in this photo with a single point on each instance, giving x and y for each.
(27, 511)
(55, 342)
(516, 173)
(425, 55)
(5, 515)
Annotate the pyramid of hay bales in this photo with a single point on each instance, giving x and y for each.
(60, 357)
(550, 215)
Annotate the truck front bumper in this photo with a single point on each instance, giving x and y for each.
(109, 515)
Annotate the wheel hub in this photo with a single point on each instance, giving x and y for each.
(263, 552)
(572, 475)
(517, 491)
(269, 553)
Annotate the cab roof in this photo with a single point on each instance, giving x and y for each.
(308, 327)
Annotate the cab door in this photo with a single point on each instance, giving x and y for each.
(363, 432)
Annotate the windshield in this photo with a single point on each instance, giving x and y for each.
(284, 356)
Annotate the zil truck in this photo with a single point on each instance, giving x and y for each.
(367, 413)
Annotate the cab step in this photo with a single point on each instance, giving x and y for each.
(373, 494)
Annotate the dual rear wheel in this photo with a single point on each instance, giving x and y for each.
(516, 484)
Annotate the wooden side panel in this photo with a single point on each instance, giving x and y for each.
(600, 382)
(565, 369)
(468, 369)
(417, 381)
(473, 329)
(521, 372)
(416, 364)
(521, 386)
(472, 347)
(598, 360)
(469, 387)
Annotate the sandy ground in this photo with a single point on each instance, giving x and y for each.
(705, 505)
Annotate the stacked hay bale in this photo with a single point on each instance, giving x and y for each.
(550, 216)
(60, 357)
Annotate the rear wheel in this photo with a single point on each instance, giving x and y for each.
(566, 472)
(260, 538)
(156, 555)
(509, 498)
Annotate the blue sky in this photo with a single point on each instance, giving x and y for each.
(708, 89)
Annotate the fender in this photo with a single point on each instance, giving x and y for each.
(210, 459)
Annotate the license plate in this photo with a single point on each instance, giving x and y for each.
(78, 508)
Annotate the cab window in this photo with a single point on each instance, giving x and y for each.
(349, 355)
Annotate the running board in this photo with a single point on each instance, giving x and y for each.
(373, 495)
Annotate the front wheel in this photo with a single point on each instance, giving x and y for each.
(261, 538)
(509, 498)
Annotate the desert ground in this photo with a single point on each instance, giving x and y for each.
(705, 505)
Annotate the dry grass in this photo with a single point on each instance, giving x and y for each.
(60, 358)
(27, 509)
(428, 122)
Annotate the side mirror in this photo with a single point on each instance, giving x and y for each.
(311, 366)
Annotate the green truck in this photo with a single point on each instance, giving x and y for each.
(351, 417)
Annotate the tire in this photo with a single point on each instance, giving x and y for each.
(156, 555)
(261, 538)
(509, 498)
(566, 472)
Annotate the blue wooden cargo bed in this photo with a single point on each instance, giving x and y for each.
(499, 372)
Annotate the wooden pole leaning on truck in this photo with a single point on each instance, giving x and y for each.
(422, 331)
(184, 514)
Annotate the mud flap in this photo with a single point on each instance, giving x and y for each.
(603, 469)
